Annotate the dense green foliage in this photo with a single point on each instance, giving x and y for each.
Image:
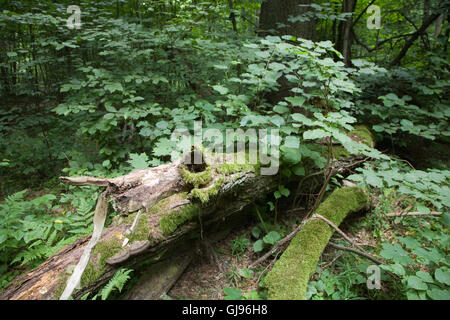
(104, 99)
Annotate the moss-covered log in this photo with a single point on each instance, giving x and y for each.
(173, 205)
(167, 205)
(290, 275)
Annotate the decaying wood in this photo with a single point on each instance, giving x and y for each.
(409, 214)
(141, 190)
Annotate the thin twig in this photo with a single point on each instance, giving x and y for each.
(268, 266)
(185, 202)
(278, 245)
(402, 214)
(260, 218)
(363, 254)
(353, 243)
(332, 261)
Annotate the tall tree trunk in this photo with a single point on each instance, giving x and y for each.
(274, 18)
(345, 37)
(232, 15)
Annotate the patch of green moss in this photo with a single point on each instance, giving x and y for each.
(339, 152)
(205, 194)
(142, 229)
(171, 221)
(364, 134)
(230, 168)
(61, 285)
(290, 275)
(166, 203)
(97, 264)
(197, 179)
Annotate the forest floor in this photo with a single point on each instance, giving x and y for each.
(342, 273)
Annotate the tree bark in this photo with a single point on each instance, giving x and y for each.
(159, 193)
(345, 38)
(274, 18)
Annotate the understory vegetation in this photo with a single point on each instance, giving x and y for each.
(104, 99)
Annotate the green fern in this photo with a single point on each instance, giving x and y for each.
(117, 282)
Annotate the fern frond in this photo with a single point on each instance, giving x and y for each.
(117, 282)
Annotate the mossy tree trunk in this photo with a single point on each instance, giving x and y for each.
(173, 204)
(167, 205)
(291, 273)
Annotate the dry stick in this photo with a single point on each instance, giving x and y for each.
(268, 266)
(279, 244)
(183, 203)
(318, 173)
(260, 218)
(364, 254)
(331, 262)
(395, 214)
(300, 184)
(293, 233)
(296, 230)
(353, 243)
(322, 191)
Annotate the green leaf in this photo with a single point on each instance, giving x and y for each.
(221, 89)
(3, 238)
(162, 125)
(425, 276)
(395, 268)
(299, 170)
(303, 119)
(245, 273)
(291, 155)
(280, 109)
(284, 191)
(422, 208)
(256, 232)
(164, 147)
(396, 253)
(439, 294)
(272, 237)
(258, 246)
(138, 161)
(292, 142)
(315, 134)
(232, 293)
(108, 116)
(416, 283)
(443, 276)
(277, 120)
(113, 87)
(445, 219)
(106, 163)
(409, 242)
(297, 101)
(373, 180)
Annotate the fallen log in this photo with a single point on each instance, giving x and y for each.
(174, 203)
(290, 275)
(165, 206)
